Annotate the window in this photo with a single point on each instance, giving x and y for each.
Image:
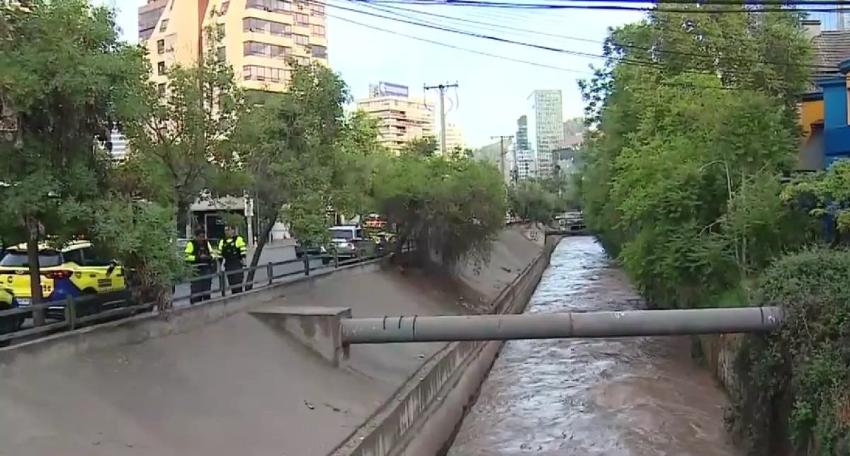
(302, 39)
(265, 50)
(319, 52)
(224, 7)
(270, 5)
(249, 24)
(161, 89)
(262, 73)
(302, 19)
(160, 46)
(318, 30)
(90, 258)
(254, 48)
(46, 259)
(279, 29)
(75, 256)
(317, 9)
(279, 52)
(219, 28)
(160, 68)
(222, 54)
(163, 25)
(303, 60)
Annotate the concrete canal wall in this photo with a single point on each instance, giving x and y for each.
(216, 379)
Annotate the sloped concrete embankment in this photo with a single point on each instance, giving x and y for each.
(423, 415)
(216, 380)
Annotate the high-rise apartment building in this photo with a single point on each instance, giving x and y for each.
(401, 118)
(545, 128)
(258, 37)
(523, 163)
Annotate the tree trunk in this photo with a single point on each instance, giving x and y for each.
(34, 269)
(258, 251)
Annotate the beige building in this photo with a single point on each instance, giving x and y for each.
(401, 118)
(259, 36)
(454, 136)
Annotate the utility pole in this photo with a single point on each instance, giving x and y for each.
(502, 151)
(442, 88)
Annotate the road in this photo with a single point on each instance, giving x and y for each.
(272, 254)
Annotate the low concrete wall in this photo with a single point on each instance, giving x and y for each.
(425, 412)
(143, 327)
(317, 328)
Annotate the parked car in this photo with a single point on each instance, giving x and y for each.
(349, 242)
(71, 271)
(312, 250)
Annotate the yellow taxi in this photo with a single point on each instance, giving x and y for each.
(70, 271)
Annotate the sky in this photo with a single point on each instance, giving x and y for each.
(492, 92)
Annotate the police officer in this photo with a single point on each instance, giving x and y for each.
(199, 254)
(233, 250)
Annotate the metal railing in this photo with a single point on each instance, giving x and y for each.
(29, 322)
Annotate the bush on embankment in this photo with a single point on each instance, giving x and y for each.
(795, 382)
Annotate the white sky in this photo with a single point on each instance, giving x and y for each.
(492, 92)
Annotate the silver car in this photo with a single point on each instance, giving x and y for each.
(346, 240)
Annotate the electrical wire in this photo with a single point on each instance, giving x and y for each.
(501, 57)
(608, 7)
(459, 48)
(392, 9)
(626, 60)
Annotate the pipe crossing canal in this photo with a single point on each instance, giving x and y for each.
(636, 396)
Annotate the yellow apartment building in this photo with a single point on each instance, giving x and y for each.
(401, 118)
(259, 36)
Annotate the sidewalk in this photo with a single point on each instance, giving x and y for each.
(274, 245)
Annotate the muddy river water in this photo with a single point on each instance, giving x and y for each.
(638, 396)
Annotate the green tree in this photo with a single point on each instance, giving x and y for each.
(692, 130)
(425, 146)
(304, 156)
(180, 141)
(451, 208)
(530, 200)
(64, 76)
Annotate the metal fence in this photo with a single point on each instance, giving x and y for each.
(29, 322)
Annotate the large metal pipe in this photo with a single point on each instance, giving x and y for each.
(560, 325)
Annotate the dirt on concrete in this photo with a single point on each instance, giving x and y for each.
(237, 386)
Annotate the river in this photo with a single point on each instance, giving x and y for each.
(638, 396)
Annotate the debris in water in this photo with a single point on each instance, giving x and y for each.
(309, 405)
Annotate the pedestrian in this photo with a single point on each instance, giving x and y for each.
(199, 254)
(233, 249)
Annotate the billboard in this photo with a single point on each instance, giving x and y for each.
(388, 89)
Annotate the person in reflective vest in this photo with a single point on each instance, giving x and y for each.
(199, 254)
(233, 250)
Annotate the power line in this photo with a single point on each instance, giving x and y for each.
(626, 60)
(502, 57)
(482, 36)
(459, 48)
(392, 9)
(721, 2)
(704, 9)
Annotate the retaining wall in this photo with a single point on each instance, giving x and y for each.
(140, 328)
(423, 416)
